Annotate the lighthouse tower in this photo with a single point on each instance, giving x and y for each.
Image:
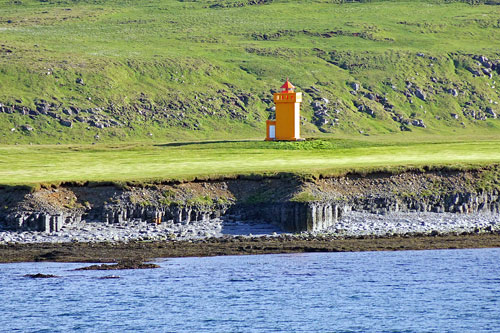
(286, 127)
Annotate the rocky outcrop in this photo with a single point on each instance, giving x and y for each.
(267, 200)
(294, 205)
(157, 214)
(292, 216)
(462, 203)
(36, 221)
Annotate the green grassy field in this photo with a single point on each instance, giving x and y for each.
(168, 70)
(132, 75)
(142, 163)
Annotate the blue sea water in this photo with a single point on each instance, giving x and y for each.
(411, 291)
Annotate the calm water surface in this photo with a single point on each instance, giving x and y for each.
(413, 291)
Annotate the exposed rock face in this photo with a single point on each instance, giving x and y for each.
(289, 216)
(275, 201)
(293, 216)
(37, 221)
(466, 203)
(442, 191)
(49, 209)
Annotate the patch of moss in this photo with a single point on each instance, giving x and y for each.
(305, 197)
(222, 201)
(408, 194)
(260, 197)
(489, 180)
(168, 198)
(202, 200)
(145, 203)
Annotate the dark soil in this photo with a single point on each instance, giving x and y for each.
(139, 252)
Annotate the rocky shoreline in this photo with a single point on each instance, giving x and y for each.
(352, 225)
(381, 205)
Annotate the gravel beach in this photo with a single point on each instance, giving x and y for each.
(352, 224)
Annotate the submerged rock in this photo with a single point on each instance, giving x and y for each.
(118, 266)
(40, 276)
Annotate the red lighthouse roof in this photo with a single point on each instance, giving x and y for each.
(287, 87)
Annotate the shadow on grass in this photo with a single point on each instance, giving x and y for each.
(192, 143)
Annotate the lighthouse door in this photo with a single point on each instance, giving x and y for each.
(272, 132)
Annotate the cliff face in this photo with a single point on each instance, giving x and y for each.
(436, 191)
(292, 204)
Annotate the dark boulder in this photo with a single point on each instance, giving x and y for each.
(418, 123)
(490, 113)
(420, 94)
(42, 107)
(53, 115)
(66, 123)
(355, 86)
(473, 71)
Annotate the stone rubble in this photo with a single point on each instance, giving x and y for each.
(140, 230)
(404, 223)
(352, 224)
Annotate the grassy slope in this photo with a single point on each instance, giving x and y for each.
(191, 64)
(30, 165)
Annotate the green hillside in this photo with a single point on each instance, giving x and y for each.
(156, 70)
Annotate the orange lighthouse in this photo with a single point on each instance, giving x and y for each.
(286, 127)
